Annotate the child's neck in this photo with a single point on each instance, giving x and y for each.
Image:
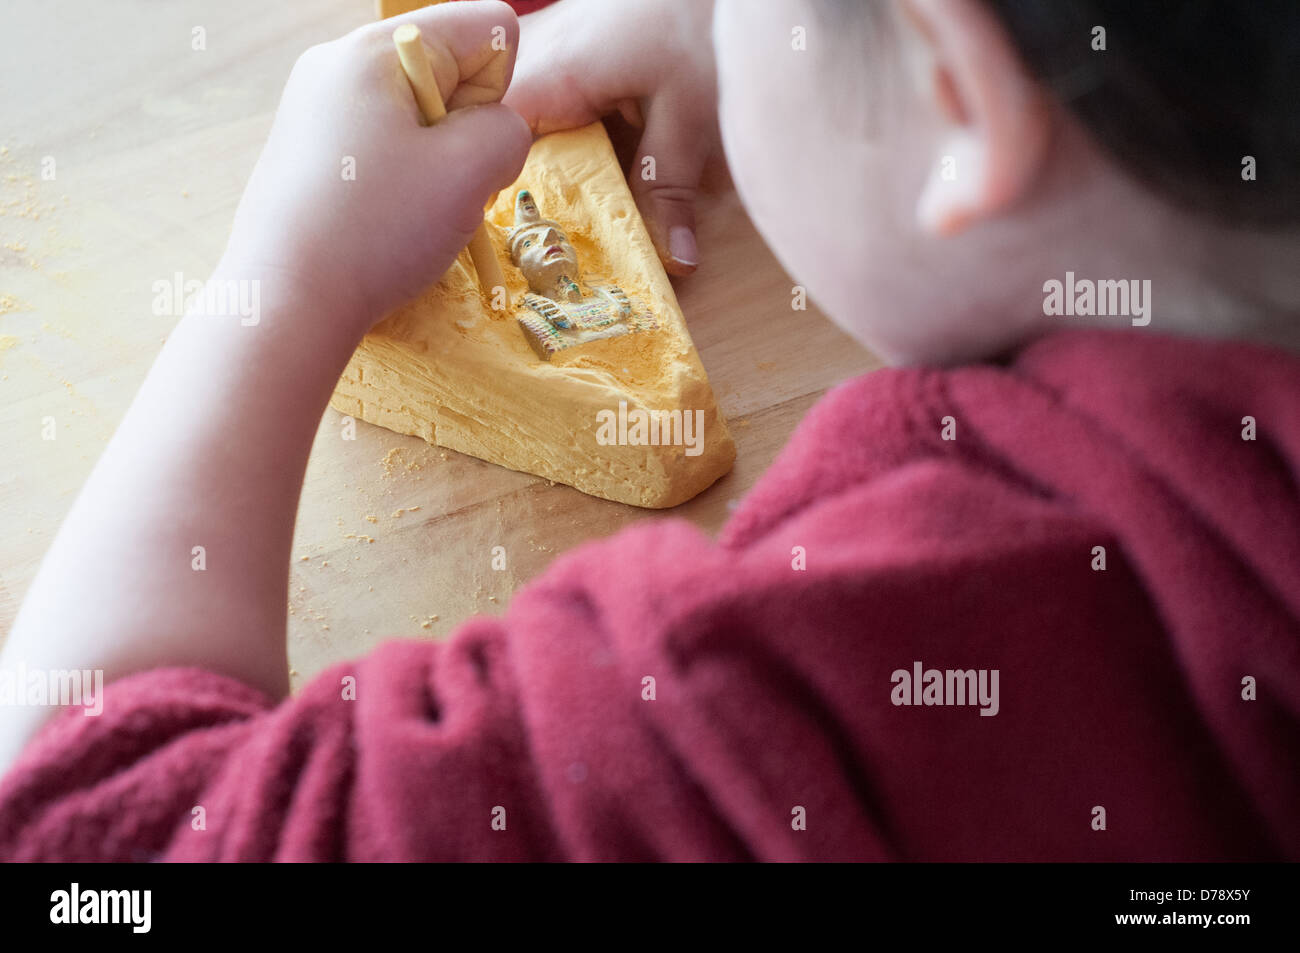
(1203, 278)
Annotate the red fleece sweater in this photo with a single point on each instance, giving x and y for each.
(775, 687)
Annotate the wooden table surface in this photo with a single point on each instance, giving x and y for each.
(123, 152)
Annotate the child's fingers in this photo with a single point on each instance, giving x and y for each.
(471, 46)
(569, 72)
(552, 94)
(476, 152)
(550, 105)
(665, 180)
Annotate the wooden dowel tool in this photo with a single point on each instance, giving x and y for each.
(419, 71)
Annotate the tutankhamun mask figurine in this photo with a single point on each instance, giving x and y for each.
(557, 313)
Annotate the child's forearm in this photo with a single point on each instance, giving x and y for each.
(353, 194)
(211, 454)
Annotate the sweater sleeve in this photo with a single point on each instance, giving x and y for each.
(529, 737)
(656, 696)
(902, 648)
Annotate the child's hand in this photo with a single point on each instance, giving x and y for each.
(582, 59)
(353, 202)
(214, 445)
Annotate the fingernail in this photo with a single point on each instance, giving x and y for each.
(681, 245)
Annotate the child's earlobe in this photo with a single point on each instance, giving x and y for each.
(995, 118)
(953, 193)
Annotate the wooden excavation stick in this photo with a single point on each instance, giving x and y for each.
(419, 71)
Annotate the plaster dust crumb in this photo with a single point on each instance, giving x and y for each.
(373, 519)
(19, 197)
(395, 459)
(390, 461)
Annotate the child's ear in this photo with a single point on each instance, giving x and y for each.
(996, 118)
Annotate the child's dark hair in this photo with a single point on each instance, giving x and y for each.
(1182, 94)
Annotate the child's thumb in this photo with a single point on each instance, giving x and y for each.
(477, 151)
(665, 179)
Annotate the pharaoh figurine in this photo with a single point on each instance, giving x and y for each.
(557, 312)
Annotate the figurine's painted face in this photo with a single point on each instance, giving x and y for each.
(543, 254)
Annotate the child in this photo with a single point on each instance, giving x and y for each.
(1041, 608)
